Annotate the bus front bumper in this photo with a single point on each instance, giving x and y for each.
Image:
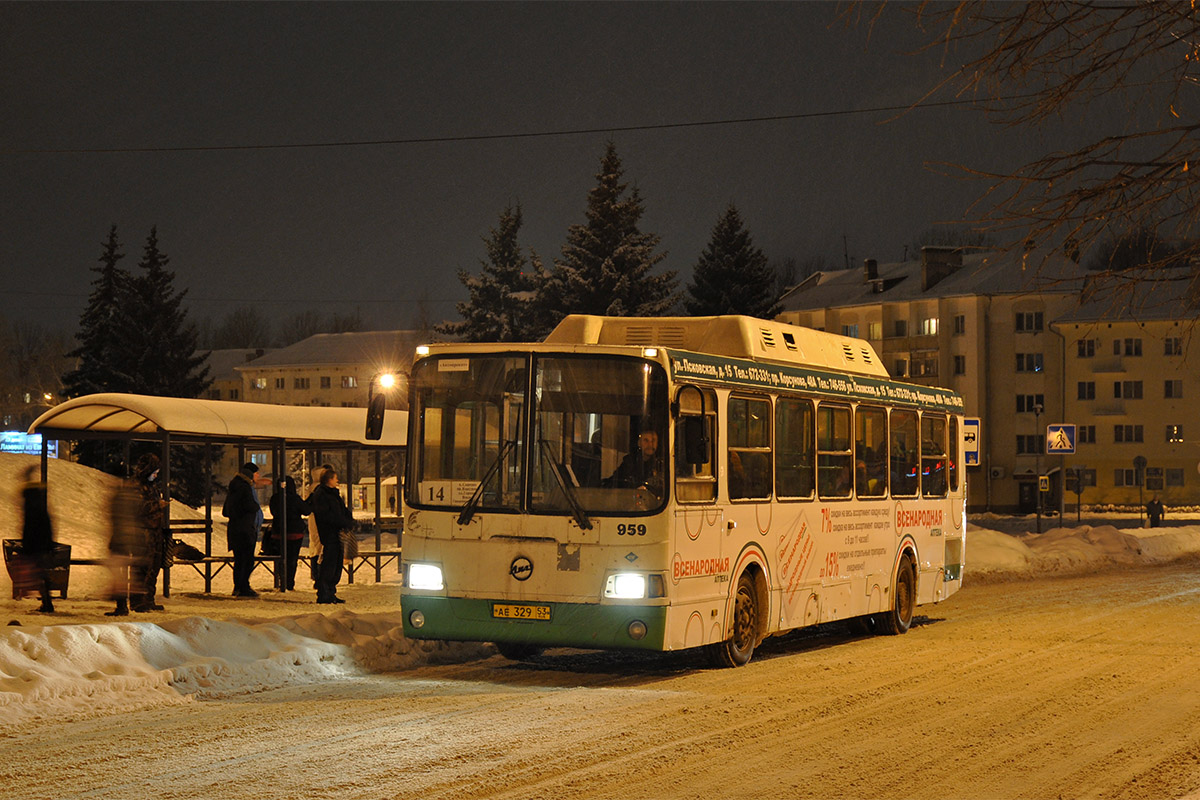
(586, 625)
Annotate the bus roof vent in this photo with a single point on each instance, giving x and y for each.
(868, 355)
(768, 337)
(789, 341)
(656, 335)
(848, 351)
(639, 334)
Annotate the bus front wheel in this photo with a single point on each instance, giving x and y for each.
(737, 649)
(900, 617)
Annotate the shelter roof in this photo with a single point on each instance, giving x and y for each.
(185, 419)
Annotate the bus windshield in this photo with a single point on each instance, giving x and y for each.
(597, 444)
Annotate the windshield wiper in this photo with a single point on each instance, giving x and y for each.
(468, 510)
(581, 517)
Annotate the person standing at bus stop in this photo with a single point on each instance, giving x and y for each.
(292, 528)
(332, 516)
(245, 519)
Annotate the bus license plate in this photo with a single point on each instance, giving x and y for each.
(500, 611)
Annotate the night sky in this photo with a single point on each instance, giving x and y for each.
(380, 227)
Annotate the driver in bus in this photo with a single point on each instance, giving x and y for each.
(644, 467)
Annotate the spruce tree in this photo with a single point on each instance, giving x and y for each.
(607, 261)
(102, 364)
(160, 338)
(501, 296)
(732, 275)
(166, 362)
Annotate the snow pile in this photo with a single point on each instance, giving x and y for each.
(1064, 550)
(70, 671)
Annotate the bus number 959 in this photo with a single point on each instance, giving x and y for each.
(630, 529)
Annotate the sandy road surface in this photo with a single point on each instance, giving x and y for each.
(1069, 687)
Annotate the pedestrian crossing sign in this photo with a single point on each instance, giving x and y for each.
(1060, 439)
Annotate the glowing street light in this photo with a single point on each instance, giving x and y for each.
(377, 404)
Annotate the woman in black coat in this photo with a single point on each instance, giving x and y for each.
(293, 527)
(332, 517)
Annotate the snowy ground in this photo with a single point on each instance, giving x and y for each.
(79, 663)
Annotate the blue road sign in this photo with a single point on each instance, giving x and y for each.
(1060, 439)
(971, 441)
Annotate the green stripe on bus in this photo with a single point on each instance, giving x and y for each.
(586, 625)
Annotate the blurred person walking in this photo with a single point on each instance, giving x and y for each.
(37, 536)
(292, 529)
(128, 547)
(152, 516)
(245, 519)
(332, 516)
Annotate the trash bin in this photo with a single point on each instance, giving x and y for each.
(24, 573)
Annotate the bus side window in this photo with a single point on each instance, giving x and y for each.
(933, 455)
(795, 448)
(749, 467)
(904, 453)
(695, 437)
(870, 451)
(835, 462)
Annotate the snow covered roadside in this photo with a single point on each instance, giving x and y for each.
(56, 672)
(78, 663)
(994, 555)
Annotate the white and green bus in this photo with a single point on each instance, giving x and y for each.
(674, 483)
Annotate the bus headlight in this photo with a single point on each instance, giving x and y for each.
(626, 586)
(425, 576)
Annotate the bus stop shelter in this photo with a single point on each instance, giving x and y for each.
(177, 421)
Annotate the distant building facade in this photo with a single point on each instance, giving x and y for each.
(331, 369)
(1002, 335)
(1132, 382)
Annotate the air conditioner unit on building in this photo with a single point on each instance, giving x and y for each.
(997, 472)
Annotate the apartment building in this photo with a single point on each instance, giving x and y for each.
(331, 369)
(222, 369)
(975, 323)
(1132, 381)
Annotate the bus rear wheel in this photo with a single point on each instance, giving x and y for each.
(518, 651)
(899, 619)
(739, 647)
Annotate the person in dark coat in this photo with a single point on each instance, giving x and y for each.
(152, 516)
(245, 518)
(294, 526)
(332, 516)
(1155, 511)
(37, 536)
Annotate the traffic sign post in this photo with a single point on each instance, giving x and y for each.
(971, 441)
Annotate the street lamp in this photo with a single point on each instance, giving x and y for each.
(1037, 460)
(377, 405)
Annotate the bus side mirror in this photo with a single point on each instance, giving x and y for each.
(695, 441)
(375, 413)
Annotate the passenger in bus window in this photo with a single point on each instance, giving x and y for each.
(642, 467)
